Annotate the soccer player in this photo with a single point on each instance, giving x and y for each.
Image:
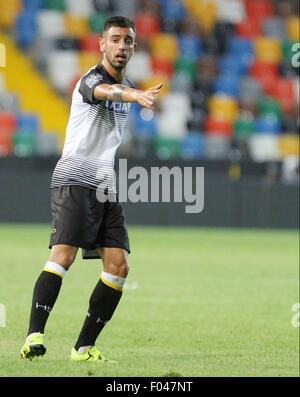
(100, 106)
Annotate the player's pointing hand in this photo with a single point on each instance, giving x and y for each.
(148, 97)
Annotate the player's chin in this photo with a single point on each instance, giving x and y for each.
(120, 65)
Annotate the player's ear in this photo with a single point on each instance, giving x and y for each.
(101, 43)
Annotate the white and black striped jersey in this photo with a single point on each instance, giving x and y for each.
(93, 134)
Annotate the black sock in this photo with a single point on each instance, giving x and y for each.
(102, 305)
(45, 292)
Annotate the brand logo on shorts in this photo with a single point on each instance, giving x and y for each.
(53, 230)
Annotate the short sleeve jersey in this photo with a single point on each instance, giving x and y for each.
(94, 133)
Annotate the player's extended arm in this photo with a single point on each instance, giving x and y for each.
(122, 93)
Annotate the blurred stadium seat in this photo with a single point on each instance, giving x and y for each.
(181, 82)
(55, 5)
(259, 8)
(128, 8)
(205, 12)
(192, 146)
(47, 144)
(33, 5)
(217, 126)
(90, 42)
(267, 124)
(274, 27)
(172, 9)
(164, 45)
(166, 148)
(217, 147)
(266, 74)
(292, 27)
(9, 102)
(249, 88)
(139, 68)
(249, 28)
(27, 122)
(9, 11)
(287, 49)
(268, 49)
(51, 24)
(8, 122)
(81, 8)
(232, 65)
(76, 25)
(243, 128)
(143, 122)
(86, 60)
(162, 66)
(288, 145)
(26, 29)
(230, 10)
(2, 83)
(62, 67)
(264, 147)
(223, 107)
(189, 46)
(269, 106)
(174, 114)
(153, 80)
(96, 22)
(146, 25)
(6, 146)
(24, 144)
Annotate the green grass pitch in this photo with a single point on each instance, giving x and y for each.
(198, 302)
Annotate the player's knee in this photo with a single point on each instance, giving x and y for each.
(118, 268)
(63, 258)
(124, 269)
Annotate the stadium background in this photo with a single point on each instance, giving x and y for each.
(230, 103)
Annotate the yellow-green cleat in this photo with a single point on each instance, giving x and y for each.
(33, 346)
(92, 355)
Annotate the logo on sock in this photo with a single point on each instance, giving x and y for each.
(45, 307)
(100, 321)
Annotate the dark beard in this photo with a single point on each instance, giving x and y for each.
(116, 67)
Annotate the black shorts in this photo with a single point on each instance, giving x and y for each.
(80, 220)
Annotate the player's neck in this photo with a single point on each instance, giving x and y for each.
(118, 75)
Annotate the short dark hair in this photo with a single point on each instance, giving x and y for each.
(119, 21)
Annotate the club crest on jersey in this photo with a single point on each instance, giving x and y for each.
(118, 107)
(92, 80)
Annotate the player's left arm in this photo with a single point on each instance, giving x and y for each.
(122, 93)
